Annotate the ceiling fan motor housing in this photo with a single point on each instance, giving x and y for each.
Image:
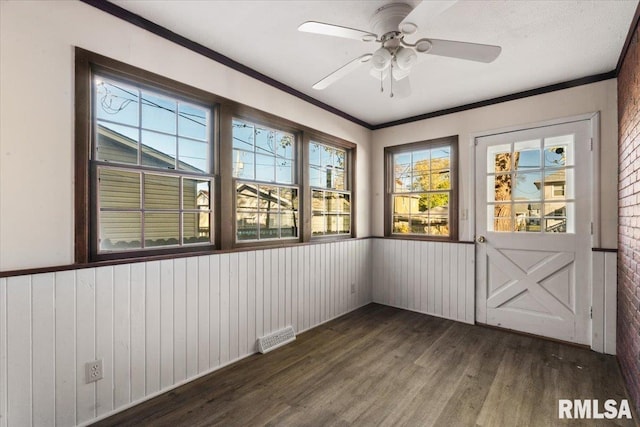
(387, 18)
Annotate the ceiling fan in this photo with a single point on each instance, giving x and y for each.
(396, 56)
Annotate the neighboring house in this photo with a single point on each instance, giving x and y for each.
(120, 188)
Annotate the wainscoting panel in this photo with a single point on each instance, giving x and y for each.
(159, 324)
(435, 278)
(603, 310)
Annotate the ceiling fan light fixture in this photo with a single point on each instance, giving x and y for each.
(405, 58)
(381, 59)
(399, 74)
(423, 45)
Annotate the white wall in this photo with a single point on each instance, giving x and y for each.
(601, 96)
(37, 40)
(159, 324)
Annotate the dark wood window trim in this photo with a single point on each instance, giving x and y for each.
(223, 221)
(389, 152)
(350, 150)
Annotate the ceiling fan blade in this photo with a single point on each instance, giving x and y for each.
(462, 50)
(423, 13)
(336, 30)
(342, 71)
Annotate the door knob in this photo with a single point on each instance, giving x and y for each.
(481, 239)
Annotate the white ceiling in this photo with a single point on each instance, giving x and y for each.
(543, 43)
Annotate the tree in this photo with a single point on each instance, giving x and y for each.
(432, 175)
(504, 188)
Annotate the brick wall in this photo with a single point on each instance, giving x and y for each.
(628, 339)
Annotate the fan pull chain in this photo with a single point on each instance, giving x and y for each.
(391, 80)
(381, 78)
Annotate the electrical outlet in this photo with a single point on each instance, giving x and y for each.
(93, 371)
(353, 288)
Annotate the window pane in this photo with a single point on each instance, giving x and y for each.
(284, 145)
(400, 224)
(247, 197)
(438, 225)
(332, 223)
(340, 159)
(421, 180)
(118, 189)
(317, 224)
(555, 225)
(338, 179)
(344, 225)
(326, 156)
(242, 164)
(420, 160)
(192, 121)
(120, 231)
(243, 135)
(528, 186)
(419, 224)
(558, 184)
(268, 198)
(196, 227)
(527, 217)
(500, 217)
(402, 171)
(345, 202)
(314, 154)
(115, 143)
(440, 158)
(195, 194)
(526, 155)
(193, 155)
(161, 229)
(440, 180)
(499, 158)
(116, 102)
(158, 150)
(558, 151)
(289, 224)
(265, 141)
(332, 201)
(161, 192)
(265, 168)
(247, 225)
(284, 171)
(405, 204)
(158, 113)
(439, 204)
(269, 228)
(318, 202)
(289, 198)
(317, 177)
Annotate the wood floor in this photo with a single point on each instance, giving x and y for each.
(384, 366)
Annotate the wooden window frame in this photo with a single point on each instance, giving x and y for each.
(389, 152)
(349, 182)
(223, 224)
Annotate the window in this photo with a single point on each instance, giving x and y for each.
(163, 169)
(531, 186)
(152, 159)
(330, 199)
(266, 195)
(421, 197)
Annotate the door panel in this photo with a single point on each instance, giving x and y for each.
(533, 204)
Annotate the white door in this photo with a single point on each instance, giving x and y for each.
(533, 230)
